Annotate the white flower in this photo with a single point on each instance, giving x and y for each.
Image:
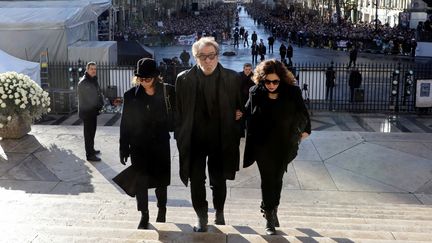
(1, 125)
(11, 96)
(3, 105)
(9, 118)
(17, 95)
(4, 96)
(2, 90)
(23, 106)
(17, 102)
(49, 110)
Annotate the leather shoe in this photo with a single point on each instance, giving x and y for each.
(93, 158)
(96, 151)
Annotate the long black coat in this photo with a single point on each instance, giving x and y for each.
(90, 99)
(229, 102)
(144, 133)
(272, 125)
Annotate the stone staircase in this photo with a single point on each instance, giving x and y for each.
(112, 217)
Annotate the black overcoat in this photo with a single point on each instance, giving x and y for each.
(90, 99)
(273, 135)
(229, 101)
(144, 133)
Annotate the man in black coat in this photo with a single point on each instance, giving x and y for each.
(290, 53)
(90, 102)
(354, 82)
(246, 83)
(353, 57)
(271, 41)
(282, 51)
(254, 37)
(208, 105)
(330, 84)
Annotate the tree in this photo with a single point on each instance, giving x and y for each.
(338, 11)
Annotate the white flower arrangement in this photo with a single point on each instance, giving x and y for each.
(21, 96)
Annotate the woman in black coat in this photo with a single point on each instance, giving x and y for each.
(144, 135)
(277, 119)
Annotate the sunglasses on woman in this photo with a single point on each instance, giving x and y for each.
(274, 82)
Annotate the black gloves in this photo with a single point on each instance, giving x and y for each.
(123, 157)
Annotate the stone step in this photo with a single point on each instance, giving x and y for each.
(187, 212)
(255, 221)
(384, 208)
(287, 211)
(167, 232)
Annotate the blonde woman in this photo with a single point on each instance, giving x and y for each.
(144, 136)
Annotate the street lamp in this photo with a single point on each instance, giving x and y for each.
(376, 16)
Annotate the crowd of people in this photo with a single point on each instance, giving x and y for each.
(212, 20)
(306, 27)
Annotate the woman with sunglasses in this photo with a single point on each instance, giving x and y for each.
(144, 136)
(277, 119)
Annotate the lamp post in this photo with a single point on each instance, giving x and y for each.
(376, 16)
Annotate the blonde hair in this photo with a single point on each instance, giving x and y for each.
(204, 41)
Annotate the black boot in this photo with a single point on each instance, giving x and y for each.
(219, 217)
(269, 215)
(161, 216)
(276, 217)
(201, 225)
(143, 224)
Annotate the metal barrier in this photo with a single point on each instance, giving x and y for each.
(377, 91)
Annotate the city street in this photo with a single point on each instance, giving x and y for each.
(304, 55)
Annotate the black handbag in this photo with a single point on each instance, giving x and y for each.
(169, 111)
(128, 180)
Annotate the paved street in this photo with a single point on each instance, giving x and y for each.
(301, 55)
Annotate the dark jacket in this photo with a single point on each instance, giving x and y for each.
(274, 127)
(355, 79)
(330, 77)
(245, 84)
(290, 51)
(282, 50)
(90, 100)
(144, 133)
(229, 102)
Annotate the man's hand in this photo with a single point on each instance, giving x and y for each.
(304, 135)
(123, 159)
(239, 115)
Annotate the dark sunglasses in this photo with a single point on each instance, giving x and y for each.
(209, 56)
(274, 82)
(146, 79)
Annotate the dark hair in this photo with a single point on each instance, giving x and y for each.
(273, 66)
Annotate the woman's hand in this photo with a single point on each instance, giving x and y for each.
(239, 115)
(304, 135)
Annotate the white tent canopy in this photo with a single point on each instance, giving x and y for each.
(98, 51)
(29, 27)
(10, 63)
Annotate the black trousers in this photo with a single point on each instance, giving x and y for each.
(142, 198)
(90, 124)
(198, 179)
(271, 173)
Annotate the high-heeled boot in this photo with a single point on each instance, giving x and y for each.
(143, 224)
(269, 215)
(219, 217)
(276, 217)
(161, 216)
(201, 225)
